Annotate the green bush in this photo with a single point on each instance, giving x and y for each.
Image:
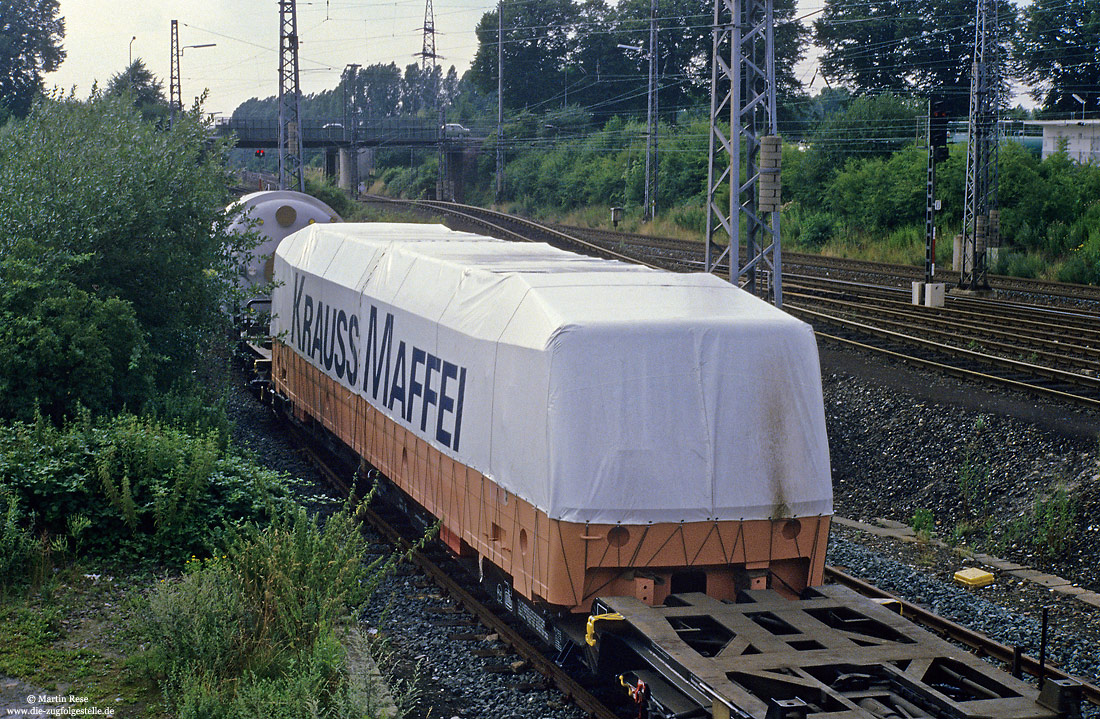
(65, 347)
(253, 632)
(151, 492)
(330, 194)
(123, 211)
(1019, 264)
(817, 229)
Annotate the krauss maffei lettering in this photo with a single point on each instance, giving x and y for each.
(424, 390)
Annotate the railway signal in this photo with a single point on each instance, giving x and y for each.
(937, 129)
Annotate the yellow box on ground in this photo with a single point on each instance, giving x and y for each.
(974, 577)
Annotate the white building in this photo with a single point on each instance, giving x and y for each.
(1082, 138)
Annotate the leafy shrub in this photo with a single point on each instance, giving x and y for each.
(65, 347)
(253, 632)
(1083, 264)
(1019, 264)
(150, 492)
(329, 194)
(817, 229)
(142, 209)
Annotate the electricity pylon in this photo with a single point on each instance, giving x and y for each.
(742, 105)
(981, 224)
(290, 128)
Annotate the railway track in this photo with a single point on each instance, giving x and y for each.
(573, 690)
(577, 693)
(1013, 344)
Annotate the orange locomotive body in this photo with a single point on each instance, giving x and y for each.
(605, 406)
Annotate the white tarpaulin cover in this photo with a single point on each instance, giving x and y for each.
(598, 391)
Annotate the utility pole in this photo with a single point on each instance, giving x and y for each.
(290, 136)
(981, 218)
(743, 94)
(500, 100)
(175, 94)
(650, 210)
(937, 151)
(351, 118)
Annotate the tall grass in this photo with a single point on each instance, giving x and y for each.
(256, 631)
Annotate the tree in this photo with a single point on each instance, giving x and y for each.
(869, 125)
(30, 46)
(568, 52)
(923, 47)
(538, 38)
(65, 347)
(122, 209)
(1058, 51)
(146, 91)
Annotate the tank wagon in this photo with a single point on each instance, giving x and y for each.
(635, 461)
(275, 214)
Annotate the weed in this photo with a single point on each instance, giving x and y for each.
(923, 523)
(972, 476)
(253, 632)
(1055, 521)
(15, 539)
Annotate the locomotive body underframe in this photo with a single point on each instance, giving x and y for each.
(553, 562)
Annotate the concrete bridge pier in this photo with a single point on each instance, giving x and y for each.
(453, 186)
(355, 168)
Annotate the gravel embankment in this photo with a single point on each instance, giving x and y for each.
(1010, 613)
(987, 466)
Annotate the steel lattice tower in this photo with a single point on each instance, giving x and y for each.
(290, 137)
(980, 215)
(743, 94)
(429, 61)
(175, 93)
(650, 209)
(500, 101)
(427, 53)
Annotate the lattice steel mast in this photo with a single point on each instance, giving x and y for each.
(747, 161)
(290, 136)
(650, 209)
(980, 214)
(429, 62)
(175, 93)
(500, 101)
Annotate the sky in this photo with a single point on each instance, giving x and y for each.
(245, 61)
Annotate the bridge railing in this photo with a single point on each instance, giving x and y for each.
(388, 131)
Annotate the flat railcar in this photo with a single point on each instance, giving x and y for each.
(586, 427)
